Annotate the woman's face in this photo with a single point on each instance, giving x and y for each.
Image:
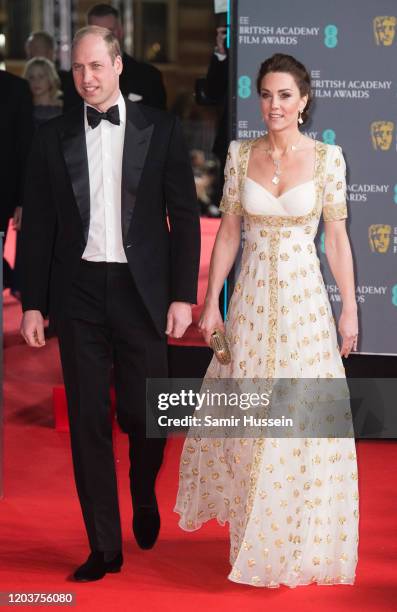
(38, 81)
(281, 101)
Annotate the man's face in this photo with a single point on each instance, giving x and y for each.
(111, 23)
(95, 76)
(37, 48)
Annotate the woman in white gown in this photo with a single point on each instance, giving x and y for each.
(291, 504)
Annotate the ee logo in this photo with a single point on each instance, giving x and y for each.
(331, 36)
(244, 87)
(329, 137)
(394, 295)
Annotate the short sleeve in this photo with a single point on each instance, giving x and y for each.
(230, 202)
(334, 203)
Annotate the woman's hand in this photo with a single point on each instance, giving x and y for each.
(210, 320)
(348, 329)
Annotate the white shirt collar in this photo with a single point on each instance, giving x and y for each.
(122, 111)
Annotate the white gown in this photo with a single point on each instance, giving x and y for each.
(291, 504)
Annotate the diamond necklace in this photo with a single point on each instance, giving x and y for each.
(277, 162)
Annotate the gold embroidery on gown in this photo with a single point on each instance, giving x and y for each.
(291, 503)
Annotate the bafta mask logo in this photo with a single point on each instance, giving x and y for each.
(379, 237)
(382, 135)
(384, 30)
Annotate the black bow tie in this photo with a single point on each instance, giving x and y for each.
(94, 117)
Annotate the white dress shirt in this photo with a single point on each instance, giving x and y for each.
(105, 159)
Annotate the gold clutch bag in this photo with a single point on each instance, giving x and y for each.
(220, 347)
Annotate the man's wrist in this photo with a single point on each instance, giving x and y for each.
(179, 302)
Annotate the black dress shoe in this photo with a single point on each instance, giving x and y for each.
(96, 567)
(146, 525)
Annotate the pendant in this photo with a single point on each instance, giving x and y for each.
(275, 180)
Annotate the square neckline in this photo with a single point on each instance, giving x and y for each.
(312, 180)
(269, 193)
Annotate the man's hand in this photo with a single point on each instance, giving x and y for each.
(179, 317)
(17, 218)
(32, 328)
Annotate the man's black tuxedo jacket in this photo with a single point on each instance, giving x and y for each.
(16, 130)
(137, 78)
(156, 181)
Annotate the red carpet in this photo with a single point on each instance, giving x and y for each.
(42, 537)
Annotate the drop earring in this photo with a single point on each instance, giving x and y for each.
(300, 120)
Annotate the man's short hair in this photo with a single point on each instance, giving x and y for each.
(43, 38)
(103, 10)
(107, 36)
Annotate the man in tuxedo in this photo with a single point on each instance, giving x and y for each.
(139, 81)
(111, 249)
(16, 130)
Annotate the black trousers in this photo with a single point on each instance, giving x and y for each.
(108, 326)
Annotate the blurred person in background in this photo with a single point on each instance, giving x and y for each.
(16, 131)
(216, 88)
(45, 86)
(41, 44)
(139, 81)
(212, 90)
(205, 177)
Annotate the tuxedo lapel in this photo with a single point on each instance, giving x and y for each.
(75, 154)
(138, 134)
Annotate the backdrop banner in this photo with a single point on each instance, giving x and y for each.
(350, 51)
